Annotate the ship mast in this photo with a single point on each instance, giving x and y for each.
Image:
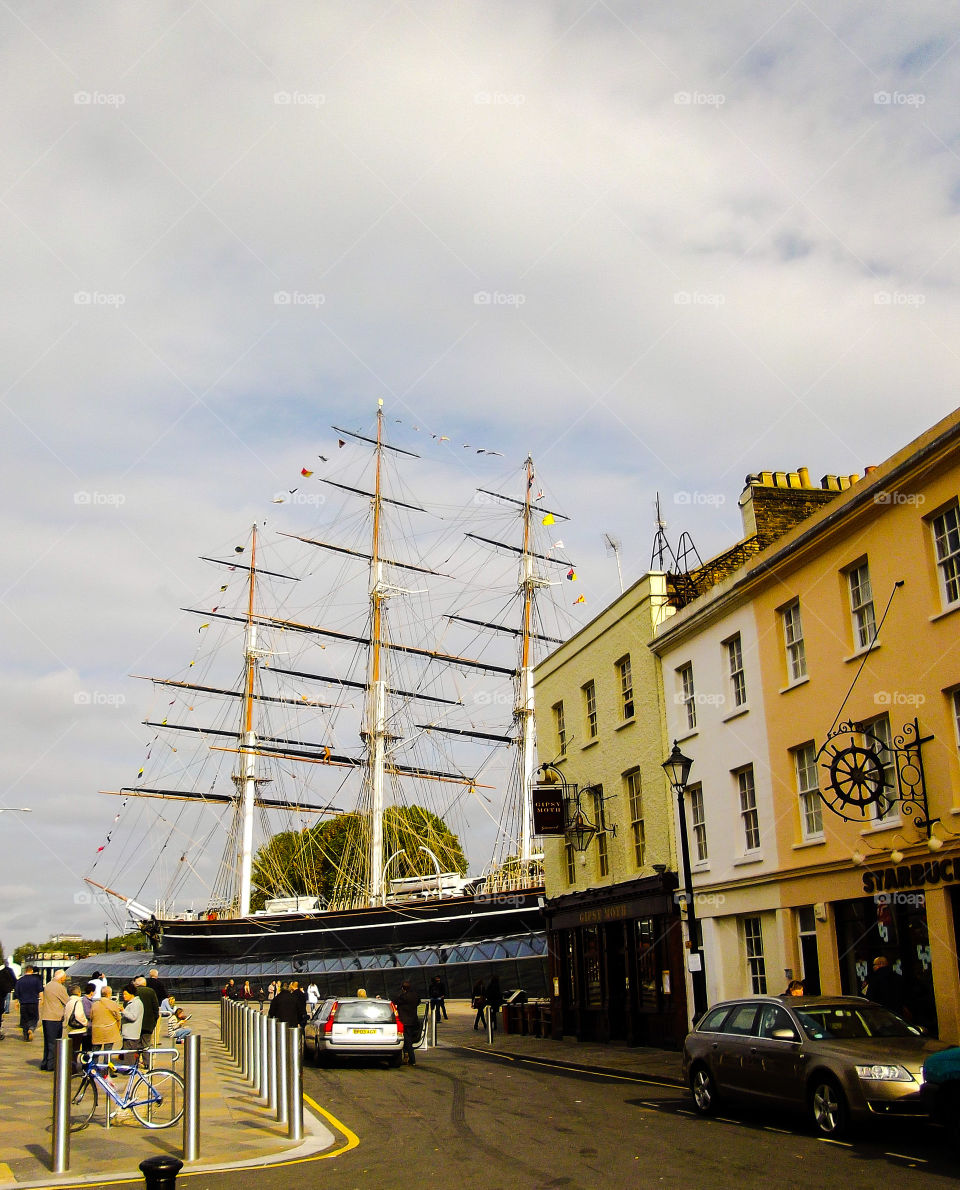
(246, 780)
(524, 710)
(376, 728)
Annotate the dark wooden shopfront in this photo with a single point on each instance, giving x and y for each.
(616, 959)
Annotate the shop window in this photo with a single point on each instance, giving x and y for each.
(738, 681)
(808, 791)
(590, 708)
(861, 606)
(560, 723)
(748, 808)
(796, 653)
(946, 541)
(647, 965)
(625, 676)
(753, 940)
(699, 823)
(687, 695)
(809, 955)
(635, 798)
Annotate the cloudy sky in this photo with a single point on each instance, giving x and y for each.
(657, 246)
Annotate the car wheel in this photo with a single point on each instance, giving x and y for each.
(828, 1106)
(397, 1058)
(704, 1090)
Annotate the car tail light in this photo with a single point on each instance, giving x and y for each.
(398, 1020)
(328, 1023)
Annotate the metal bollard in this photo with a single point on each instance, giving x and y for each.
(425, 1029)
(490, 1024)
(272, 1064)
(160, 1173)
(295, 1085)
(191, 1102)
(434, 1013)
(254, 1047)
(61, 1107)
(264, 1025)
(244, 1039)
(283, 1078)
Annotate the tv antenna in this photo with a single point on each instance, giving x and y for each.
(613, 545)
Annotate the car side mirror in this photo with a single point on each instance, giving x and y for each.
(918, 1029)
(784, 1035)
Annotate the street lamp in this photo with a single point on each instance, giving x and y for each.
(677, 767)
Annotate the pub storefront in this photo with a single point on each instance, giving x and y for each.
(616, 957)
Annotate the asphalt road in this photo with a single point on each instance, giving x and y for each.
(485, 1122)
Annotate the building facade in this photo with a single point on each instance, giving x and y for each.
(612, 915)
(853, 695)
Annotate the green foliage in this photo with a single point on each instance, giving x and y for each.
(307, 862)
(83, 947)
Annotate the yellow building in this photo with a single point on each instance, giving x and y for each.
(848, 619)
(611, 909)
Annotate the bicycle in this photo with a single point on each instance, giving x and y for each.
(156, 1097)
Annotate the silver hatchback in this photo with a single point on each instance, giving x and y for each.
(354, 1027)
(838, 1058)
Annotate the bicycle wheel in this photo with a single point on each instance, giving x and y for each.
(83, 1104)
(166, 1111)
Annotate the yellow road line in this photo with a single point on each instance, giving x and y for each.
(352, 1139)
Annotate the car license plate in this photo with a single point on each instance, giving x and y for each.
(364, 1030)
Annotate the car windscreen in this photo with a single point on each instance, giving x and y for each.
(845, 1024)
(365, 1012)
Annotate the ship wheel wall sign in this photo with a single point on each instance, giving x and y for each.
(854, 764)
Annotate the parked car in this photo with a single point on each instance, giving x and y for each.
(838, 1058)
(351, 1026)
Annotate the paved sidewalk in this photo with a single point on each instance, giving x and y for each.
(640, 1061)
(235, 1129)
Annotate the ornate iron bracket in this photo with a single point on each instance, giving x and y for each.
(855, 761)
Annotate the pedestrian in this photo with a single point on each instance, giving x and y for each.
(229, 992)
(246, 993)
(176, 1020)
(301, 997)
(313, 996)
(285, 1007)
(106, 1017)
(407, 1002)
(885, 985)
(156, 983)
(794, 988)
(89, 998)
(260, 996)
(75, 1023)
(52, 1003)
(27, 994)
(272, 990)
(8, 981)
(361, 993)
(438, 995)
(494, 998)
(99, 979)
(478, 1001)
(151, 1011)
(131, 1028)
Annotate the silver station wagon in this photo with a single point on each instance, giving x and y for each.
(352, 1026)
(838, 1058)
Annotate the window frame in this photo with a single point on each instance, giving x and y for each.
(749, 815)
(753, 946)
(737, 675)
(891, 814)
(698, 821)
(795, 649)
(862, 610)
(625, 676)
(570, 857)
(634, 784)
(560, 724)
(590, 708)
(948, 562)
(688, 693)
(808, 796)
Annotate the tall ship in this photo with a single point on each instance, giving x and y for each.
(359, 711)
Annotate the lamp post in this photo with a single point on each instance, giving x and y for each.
(677, 767)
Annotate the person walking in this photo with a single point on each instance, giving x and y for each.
(407, 1002)
(285, 1007)
(52, 1003)
(494, 998)
(313, 996)
(478, 1002)
(27, 993)
(106, 1018)
(131, 1027)
(75, 1023)
(438, 997)
(8, 981)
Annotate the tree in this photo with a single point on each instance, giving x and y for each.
(316, 861)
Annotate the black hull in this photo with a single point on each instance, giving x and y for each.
(461, 940)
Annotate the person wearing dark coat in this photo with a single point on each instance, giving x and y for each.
(27, 994)
(407, 1002)
(885, 985)
(159, 987)
(494, 998)
(285, 1007)
(302, 1014)
(478, 1002)
(8, 981)
(438, 997)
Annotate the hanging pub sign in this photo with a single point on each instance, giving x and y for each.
(548, 809)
